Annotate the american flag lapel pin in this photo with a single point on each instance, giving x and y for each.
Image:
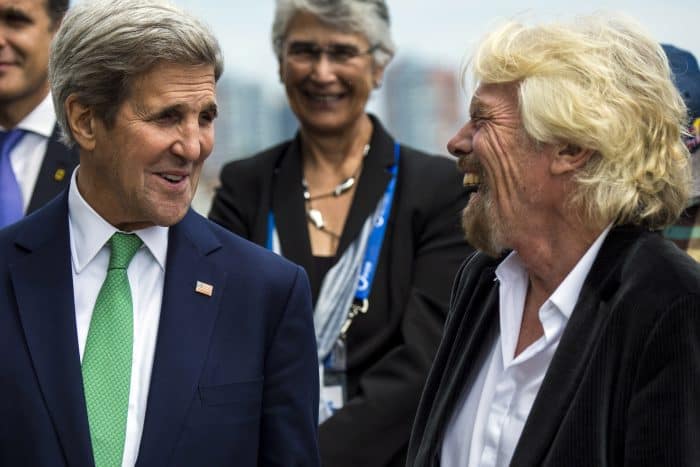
(204, 288)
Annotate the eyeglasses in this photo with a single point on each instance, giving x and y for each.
(307, 52)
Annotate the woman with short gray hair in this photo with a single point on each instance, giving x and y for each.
(369, 18)
(342, 200)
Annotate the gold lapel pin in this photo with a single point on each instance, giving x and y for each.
(204, 288)
(59, 174)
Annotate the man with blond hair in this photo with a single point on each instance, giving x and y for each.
(573, 336)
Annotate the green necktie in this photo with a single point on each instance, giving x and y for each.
(107, 359)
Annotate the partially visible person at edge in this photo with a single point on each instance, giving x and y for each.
(685, 232)
(133, 331)
(573, 337)
(347, 201)
(34, 164)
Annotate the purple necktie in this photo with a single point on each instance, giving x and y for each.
(11, 206)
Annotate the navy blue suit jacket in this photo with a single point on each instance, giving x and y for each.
(235, 376)
(55, 172)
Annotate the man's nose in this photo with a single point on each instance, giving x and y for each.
(461, 143)
(188, 142)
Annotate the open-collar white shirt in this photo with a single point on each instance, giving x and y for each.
(89, 234)
(491, 414)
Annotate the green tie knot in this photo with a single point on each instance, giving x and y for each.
(124, 247)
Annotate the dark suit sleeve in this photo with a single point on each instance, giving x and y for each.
(290, 400)
(664, 414)
(373, 429)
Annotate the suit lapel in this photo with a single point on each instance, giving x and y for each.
(184, 332)
(468, 338)
(288, 207)
(371, 186)
(55, 172)
(474, 337)
(43, 285)
(572, 357)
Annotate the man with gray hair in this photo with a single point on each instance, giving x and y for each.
(132, 330)
(573, 336)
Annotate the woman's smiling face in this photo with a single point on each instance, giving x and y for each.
(327, 92)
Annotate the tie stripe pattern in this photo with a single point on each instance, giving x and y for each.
(107, 359)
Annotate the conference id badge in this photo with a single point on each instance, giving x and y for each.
(334, 388)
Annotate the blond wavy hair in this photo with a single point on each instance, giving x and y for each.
(605, 85)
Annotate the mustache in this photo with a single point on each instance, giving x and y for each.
(470, 165)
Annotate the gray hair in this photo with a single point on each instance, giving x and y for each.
(103, 46)
(367, 17)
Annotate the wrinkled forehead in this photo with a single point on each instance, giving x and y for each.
(487, 96)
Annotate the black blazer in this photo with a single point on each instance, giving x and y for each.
(391, 347)
(623, 387)
(54, 175)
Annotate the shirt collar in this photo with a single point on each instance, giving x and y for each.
(511, 269)
(90, 232)
(41, 120)
(566, 294)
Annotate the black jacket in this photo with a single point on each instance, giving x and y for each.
(622, 387)
(391, 347)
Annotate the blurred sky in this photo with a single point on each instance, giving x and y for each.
(439, 31)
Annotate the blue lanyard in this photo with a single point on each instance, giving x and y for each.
(376, 237)
(270, 230)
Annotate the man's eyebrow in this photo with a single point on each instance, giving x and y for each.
(162, 110)
(181, 108)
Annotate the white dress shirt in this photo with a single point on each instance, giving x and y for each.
(28, 155)
(491, 414)
(90, 253)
